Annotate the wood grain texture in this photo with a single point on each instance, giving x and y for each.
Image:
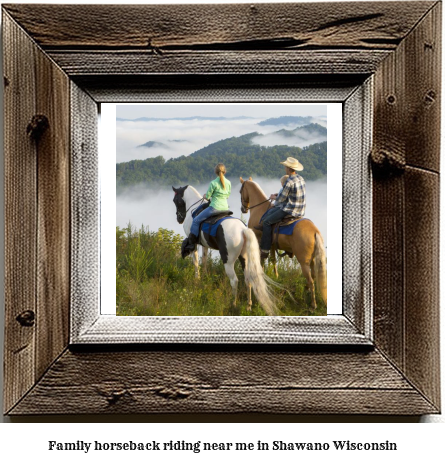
(397, 41)
(85, 212)
(388, 268)
(78, 63)
(20, 212)
(218, 87)
(53, 228)
(221, 382)
(423, 91)
(408, 84)
(342, 25)
(406, 278)
(357, 208)
(389, 140)
(422, 281)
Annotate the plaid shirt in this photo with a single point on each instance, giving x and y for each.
(292, 196)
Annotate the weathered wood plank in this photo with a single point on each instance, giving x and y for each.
(78, 62)
(218, 382)
(406, 208)
(357, 239)
(422, 281)
(218, 87)
(423, 92)
(53, 232)
(182, 381)
(20, 213)
(388, 197)
(85, 213)
(388, 268)
(365, 25)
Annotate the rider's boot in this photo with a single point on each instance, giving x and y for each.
(188, 245)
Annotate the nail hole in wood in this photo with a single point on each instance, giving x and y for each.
(430, 97)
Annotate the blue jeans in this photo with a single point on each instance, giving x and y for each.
(200, 218)
(274, 215)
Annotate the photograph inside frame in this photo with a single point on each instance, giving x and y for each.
(221, 209)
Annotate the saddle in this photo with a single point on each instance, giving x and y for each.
(286, 221)
(214, 217)
(199, 209)
(213, 220)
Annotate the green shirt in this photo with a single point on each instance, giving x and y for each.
(219, 195)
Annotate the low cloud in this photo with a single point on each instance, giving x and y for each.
(154, 208)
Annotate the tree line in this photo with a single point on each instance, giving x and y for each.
(240, 157)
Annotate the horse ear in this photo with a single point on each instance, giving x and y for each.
(250, 178)
(174, 189)
(241, 180)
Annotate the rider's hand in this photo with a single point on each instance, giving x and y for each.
(273, 196)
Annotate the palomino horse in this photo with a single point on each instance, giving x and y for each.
(233, 240)
(306, 242)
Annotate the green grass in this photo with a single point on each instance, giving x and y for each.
(153, 280)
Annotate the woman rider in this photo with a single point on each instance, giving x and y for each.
(218, 191)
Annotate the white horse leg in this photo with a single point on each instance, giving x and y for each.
(195, 258)
(230, 271)
(205, 251)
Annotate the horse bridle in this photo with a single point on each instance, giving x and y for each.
(180, 215)
(246, 206)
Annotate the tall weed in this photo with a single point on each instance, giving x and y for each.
(152, 279)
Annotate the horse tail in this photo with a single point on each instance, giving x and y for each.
(254, 274)
(320, 267)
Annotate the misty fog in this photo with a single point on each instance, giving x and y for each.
(154, 208)
(185, 137)
(303, 139)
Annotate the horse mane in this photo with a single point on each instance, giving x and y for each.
(259, 188)
(195, 191)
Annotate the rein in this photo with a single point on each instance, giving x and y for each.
(250, 208)
(200, 201)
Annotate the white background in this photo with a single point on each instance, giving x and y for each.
(21, 442)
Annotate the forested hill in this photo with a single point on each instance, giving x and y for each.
(286, 120)
(238, 154)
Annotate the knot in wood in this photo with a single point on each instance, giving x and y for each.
(386, 162)
(172, 393)
(37, 126)
(26, 318)
(114, 397)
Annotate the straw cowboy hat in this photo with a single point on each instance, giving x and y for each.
(293, 164)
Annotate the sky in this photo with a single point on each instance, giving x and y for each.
(134, 111)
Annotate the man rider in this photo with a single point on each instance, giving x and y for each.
(291, 200)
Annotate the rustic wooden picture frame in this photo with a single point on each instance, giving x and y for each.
(57, 70)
